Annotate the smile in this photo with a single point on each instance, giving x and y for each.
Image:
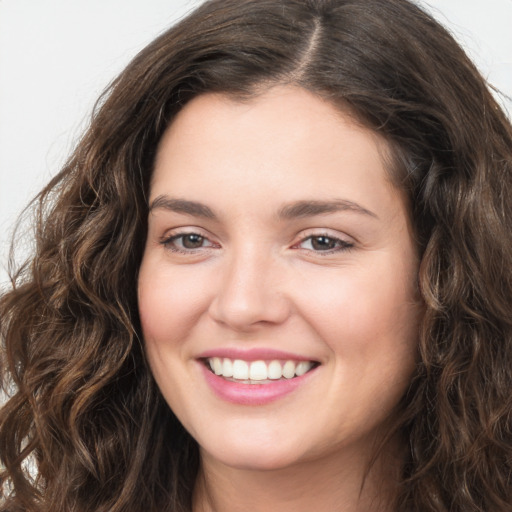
(258, 372)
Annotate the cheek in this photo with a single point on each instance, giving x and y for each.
(363, 313)
(170, 303)
(169, 309)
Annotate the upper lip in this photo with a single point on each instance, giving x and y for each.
(253, 354)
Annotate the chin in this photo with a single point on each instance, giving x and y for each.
(252, 457)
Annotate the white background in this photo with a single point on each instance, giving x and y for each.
(56, 56)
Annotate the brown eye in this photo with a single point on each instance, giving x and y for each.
(323, 243)
(185, 242)
(192, 241)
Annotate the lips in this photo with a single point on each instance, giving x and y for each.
(255, 377)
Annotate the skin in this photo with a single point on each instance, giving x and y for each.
(258, 278)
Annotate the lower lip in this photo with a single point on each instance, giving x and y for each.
(252, 394)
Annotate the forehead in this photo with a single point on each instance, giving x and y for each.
(286, 139)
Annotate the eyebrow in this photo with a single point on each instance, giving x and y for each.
(182, 206)
(297, 209)
(300, 209)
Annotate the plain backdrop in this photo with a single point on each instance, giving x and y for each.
(56, 56)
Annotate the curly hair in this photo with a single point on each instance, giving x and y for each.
(82, 404)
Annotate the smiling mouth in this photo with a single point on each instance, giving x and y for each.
(258, 372)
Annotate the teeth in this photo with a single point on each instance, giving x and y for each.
(227, 368)
(217, 366)
(289, 370)
(302, 368)
(240, 370)
(258, 370)
(275, 370)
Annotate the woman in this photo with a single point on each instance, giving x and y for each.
(275, 274)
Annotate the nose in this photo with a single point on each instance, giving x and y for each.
(250, 292)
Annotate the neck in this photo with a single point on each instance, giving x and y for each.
(338, 483)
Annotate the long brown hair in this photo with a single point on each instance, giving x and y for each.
(83, 408)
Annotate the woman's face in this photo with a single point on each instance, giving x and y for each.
(280, 255)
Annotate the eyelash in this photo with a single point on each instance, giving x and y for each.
(170, 242)
(339, 244)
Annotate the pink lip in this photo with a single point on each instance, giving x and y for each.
(252, 394)
(255, 354)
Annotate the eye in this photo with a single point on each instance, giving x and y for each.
(324, 243)
(186, 242)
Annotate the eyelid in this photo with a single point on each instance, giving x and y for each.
(345, 242)
(176, 233)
